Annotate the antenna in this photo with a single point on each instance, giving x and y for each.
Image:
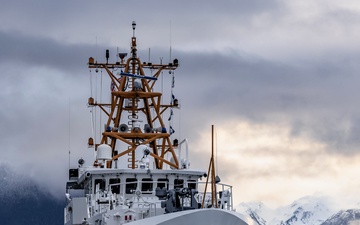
(117, 54)
(133, 27)
(162, 81)
(216, 153)
(170, 42)
(211, 174)
(96, 49)
(69, 135)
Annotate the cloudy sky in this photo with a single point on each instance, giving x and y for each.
(278, 79)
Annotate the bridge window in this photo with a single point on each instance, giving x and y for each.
(147, 185)
(101, 183)
(131, 185)
(115, 185)
(178, 183)
(163, 182)
(192, 184)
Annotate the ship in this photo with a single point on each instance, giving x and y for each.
(141, 172)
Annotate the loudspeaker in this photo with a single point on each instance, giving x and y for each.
(147, 128)
(123, 128)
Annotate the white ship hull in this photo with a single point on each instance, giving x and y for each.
(211, 216)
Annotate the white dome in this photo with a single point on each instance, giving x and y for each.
(104, 152)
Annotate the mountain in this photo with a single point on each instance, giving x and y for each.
(344, 217)
(261, 214)
(24, 202)
(310, 210)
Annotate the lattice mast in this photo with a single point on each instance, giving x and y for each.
(132, 98)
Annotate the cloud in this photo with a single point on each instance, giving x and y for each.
(279, 80)
(315, 99)
(30, 51)
(251, 89)
(251, 155)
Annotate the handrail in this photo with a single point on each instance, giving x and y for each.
(224, 193)
(187, 150)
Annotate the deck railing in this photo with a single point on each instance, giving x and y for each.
(146, 203)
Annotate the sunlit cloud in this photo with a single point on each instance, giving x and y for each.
(263, 160)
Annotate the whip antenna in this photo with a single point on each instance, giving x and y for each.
(69, 134)
(170, 42)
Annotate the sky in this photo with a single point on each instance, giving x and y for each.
(278, 80)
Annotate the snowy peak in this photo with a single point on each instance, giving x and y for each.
(344, 217)
(257, 211)
(26, 202)
(299, 216)
(16, 185)
(310, 210)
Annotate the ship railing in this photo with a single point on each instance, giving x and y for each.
(145, 201)
(223, 196)
(185, 163)
(146, 209)
(67, 215)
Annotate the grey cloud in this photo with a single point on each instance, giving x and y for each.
(82, 21)
(24, 50)
(316, 98)
(316, 94)
(222, 86)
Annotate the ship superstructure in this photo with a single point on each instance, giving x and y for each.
(141, 173)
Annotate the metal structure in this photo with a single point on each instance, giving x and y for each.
(132, 96)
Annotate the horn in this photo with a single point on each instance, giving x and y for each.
(123, 128)
(147, 128)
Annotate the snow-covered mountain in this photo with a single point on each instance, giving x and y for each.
(344, 217)
(24, 202)
(310, 210)
(15, 185)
